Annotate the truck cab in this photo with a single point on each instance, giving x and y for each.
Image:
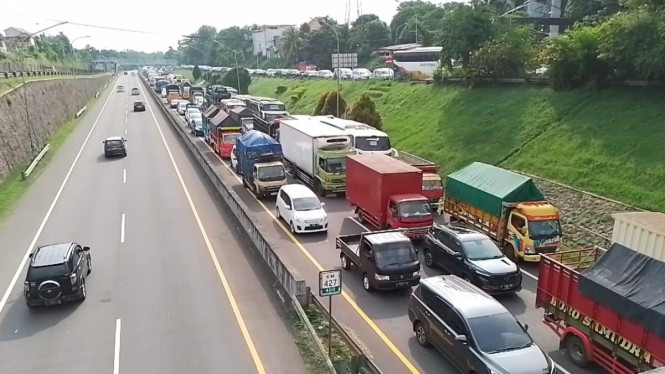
(386, 259)
(267, 178)
(410, 212)
(532, 228)
(432, 183)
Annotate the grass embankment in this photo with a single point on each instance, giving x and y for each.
(8, 84)
(609, 142)
(188, 75)
(13, 186)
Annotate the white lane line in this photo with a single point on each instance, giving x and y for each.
(560, 369)
(124, 176)
(12, 284)
(122, 229)
(116, 353)
(529, 274)
(125, 131)
(125, 119)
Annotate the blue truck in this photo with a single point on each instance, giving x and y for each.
(260, 163)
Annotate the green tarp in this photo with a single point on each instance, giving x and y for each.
(486, 187)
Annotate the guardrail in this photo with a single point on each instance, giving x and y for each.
(289, 278)
(18, 74)
(34, 163)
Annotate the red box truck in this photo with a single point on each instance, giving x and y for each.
(386, 193)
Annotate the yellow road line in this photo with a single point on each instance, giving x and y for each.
(346, 296)
(234, 305)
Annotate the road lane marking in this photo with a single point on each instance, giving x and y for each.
(125, 131)
(122, 229)
(346, 296)
(225, 284)
(125, 121)
(116, 351)
(124, 176)
(12, 284)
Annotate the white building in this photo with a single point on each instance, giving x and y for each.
(17, 38)
(266, 39)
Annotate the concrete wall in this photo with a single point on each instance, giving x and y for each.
(30, 114)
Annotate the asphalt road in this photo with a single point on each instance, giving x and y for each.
(173, 289)
(379, 321)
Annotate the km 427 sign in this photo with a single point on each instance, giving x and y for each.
(330, 282)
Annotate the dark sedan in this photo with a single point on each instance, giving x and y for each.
(139, 106)
(115, 146)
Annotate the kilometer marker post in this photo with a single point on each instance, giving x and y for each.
(330, 283)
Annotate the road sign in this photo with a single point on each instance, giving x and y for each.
(330, 282)
(344, 60)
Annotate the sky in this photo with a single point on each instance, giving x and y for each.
(160, 26)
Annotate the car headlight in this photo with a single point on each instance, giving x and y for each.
(381, 277)
(416, 273)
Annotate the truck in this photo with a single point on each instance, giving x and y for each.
(641, 231)
(244, 117)
(259, 162)
(432, 183)
(506, 206)
(315, 154)
(267, 113)
(222, 131)
(387, 260)
(185, 90)
(606, 306)
(365, 138)
(172, 95)
(386, 193)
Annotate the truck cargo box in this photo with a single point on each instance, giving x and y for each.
(643, 232)
(418, 162)
(487, 187)
(371, 179)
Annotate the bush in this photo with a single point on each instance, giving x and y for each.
(230, 79)
(330, 106)
(280, 90)
(298, 92)
(364, 110)
(196, 72)
(320, 103)
(508, 54)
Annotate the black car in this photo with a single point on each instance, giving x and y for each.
(139, 106)
(473, 256)
(115, 146)
(474, 331)
(57, 274)
(125, 73)
(135, 91)
(121, 89)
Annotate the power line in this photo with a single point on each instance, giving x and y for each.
(94, 26)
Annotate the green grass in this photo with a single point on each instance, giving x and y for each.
(609, 142)
(13, 186)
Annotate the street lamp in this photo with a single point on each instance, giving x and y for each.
(338, 60)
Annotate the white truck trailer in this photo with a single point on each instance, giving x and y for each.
(643, 232)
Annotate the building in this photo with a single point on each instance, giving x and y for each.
(16, 38)
(266, 39)
(388, 51)
(315, 25)
(3, 46)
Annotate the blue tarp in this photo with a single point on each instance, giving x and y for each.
(256, 142)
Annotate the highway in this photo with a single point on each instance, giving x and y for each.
(379, 321)
(175, 287)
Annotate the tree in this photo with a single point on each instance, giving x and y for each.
(368, 34)
(237, 39)
(330, 106)
(364, 111)
(199, 47)
(464, 29)
(506, 55)
(408, 11)
(196, 72)
(231, 79)
(319, 105)
(322, 43)
(291, 43)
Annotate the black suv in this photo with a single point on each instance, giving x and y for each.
(115, 146)
(139, 106)
(57, 274)
(472, 329)
(472, 256)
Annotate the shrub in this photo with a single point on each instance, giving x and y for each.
(364, 110)
(330, 105)
(280, 90)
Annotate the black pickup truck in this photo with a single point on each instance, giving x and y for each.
(387, 259)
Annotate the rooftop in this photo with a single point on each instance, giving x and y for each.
(379, 238)
(51, 254)
(469, 300)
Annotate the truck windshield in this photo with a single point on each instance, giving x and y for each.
(429, 185)
(273, 107)
(544, 229)
(230, 138)
(306, 203)
(271, 173)
(393, 254)
(372, 143)
(335, 165)
(483, 249)
(272, 117)
(414, 209)
(498, 333)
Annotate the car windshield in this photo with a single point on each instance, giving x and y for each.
(198, 122)
(45, 272)
(114, 143)
(498, 333)
(271, 173)
(394, 254)
(429, 185)
(306, 203)
(195, 115)
(544, 229)
(335, 165)
(481, 249)
(414, 209)
(372, 143)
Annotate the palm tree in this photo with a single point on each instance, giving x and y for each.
(291, 42)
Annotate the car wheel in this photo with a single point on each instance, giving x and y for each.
(106, 155)
(367, 285)
(89, 265)
(421, 334)
(83, 292)
(346, 265)
(429, 259)
(277, 213)
(124, 154)
(293, 229)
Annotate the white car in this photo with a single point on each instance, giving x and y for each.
(361, 74)
(383, 73)
(163, 92)
(301, 209)
(191, 110)
(234, 160)
(182, 106)
(326, 74)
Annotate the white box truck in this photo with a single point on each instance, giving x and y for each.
(364, 138)
(315, 153)
(643, 232)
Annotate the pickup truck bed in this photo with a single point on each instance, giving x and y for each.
(350, 245)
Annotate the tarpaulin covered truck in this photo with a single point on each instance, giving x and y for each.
(506, 206)
(432, 183)
(259, 160)
(386, 193)
(607, 307)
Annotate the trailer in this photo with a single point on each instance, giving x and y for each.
(641, 231)
(607, 307)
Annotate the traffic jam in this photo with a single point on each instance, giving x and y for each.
(485, 230)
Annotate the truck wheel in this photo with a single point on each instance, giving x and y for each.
(576, 351)
(509, 251)
(319, 189)
(367, 285)
(244, 183)
(346, 265)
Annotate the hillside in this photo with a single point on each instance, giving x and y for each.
(609, 142)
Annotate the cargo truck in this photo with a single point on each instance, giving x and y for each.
(315, 154)
(364, 138)
(607, 307)
(185, 90)
(432, 183)
(244, 117)
(386, 259)
(506, 206)
(259, 161)
(267, 113)
(222, 132)
(386, 193)
(641, 231)
(172, 95)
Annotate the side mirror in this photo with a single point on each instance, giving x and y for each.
(86, 249)
(457, 255)
(461, 338)
(522, 230)
(30, 255)
(323, 205)
(526, 327)
(124, 140)
(287, 207)
(103, 141)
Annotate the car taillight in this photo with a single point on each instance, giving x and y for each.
(72, 279)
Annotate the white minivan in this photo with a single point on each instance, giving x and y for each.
(301, 209)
